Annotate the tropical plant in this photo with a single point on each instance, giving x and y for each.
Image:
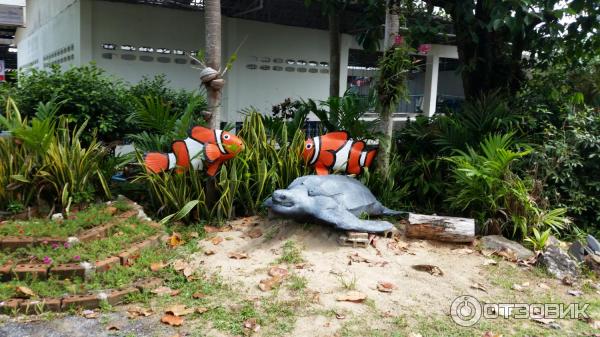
(539, 240)
(485, 187)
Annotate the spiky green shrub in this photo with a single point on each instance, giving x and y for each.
(485, 187)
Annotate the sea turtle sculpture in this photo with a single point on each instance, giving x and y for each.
(334, 199)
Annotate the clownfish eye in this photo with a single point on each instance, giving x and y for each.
(226, 137)
(308, 146)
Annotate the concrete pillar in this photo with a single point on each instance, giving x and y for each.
(431, 83)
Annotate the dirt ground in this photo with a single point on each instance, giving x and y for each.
(418, 304)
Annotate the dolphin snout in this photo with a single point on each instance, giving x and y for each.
(279, 195)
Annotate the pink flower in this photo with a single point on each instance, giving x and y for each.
(47, 260)
(76, 258)
(424, 48)
(398, 40)
(45, 242)
(55, 245)
(66, 245)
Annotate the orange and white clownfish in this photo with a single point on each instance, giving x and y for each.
(336, 151)
(212, 146)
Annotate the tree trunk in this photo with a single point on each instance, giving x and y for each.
(334, 54)
(212, 18)
(440, 228)
(392, 28)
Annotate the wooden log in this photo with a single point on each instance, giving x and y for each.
(440, 228)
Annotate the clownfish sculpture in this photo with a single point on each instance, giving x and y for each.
(212, 146)
(336, 151)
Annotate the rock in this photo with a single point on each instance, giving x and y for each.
(593, 244)
(57, 217)
(558, 263)
(593, 262)
(498, 242)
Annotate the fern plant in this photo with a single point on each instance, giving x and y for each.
(539, 240)
(485, 187)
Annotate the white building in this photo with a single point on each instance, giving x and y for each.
(283, 48)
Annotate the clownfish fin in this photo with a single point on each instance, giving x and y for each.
(212, 152)
(213, 169)
(202, 135)
(336, 135)
(321, 170)
(370, 156)
(182, 154)
(156, 162)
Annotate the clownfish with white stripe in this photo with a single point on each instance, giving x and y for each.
(203, 145)
(335, 151)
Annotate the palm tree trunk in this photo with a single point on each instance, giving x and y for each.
(212, 18)
(334, 54)
(392, 28)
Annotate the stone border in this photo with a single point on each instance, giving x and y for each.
(85, 270)
(82, 301)
(95, 233)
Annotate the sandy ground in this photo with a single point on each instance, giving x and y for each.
(327, 263)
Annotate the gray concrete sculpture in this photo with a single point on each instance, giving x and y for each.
(332, 199)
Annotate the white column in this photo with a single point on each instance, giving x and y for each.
(431, 83)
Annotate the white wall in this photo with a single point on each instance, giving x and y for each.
(51, 34)
(137, 25)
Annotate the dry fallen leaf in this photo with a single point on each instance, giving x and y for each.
(179, 310)
(567, 280)
(175, 240)
(352, 296)
(172, 320)
(517, 287)
(431, 269)
(490, 334)
(541, 320)
(216, 240)
(575, 293)
(490, 262)
(269, 283)
(188, 271)
(209, 252)
(251, 325)
(193, 235)
(156, 266)
(385, 287)
(340, 316)
(507, 254)
(113, 327)
(255, 233)
(478, 286)
(237, 256)
(134, 312)
(24, 292)
(544, 286)
(278, 272)
(179, 265)
(201, 310)
(211, 229)
(198, 295)
(463, 251)
(162, 291)
(90, 314)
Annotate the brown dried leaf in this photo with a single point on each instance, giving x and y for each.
(172, 320)
(175, 240)
(491, 334)
(211, 229)
(209, 252)
(90, 314)
(517, 287)
(431, 269)
(357, 258)
(255, 233)
(278, 272)
(156, 266)
(251, 325)
(134, 312)
(237, 256)
(179, 265)
(201, 310)
(463, 251)
(175, 292)
(216, 240)
(479, 286)
(490, 262)
(340, 316)
(162, 291)
(487, 252)
(352, 296)
(385, 287)
(179, 310)
(193, 235)
(507, 254)
(24, 292)
(269, 283)
(188, 271)
(198, 295)
(113, 327)
(544, 286)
